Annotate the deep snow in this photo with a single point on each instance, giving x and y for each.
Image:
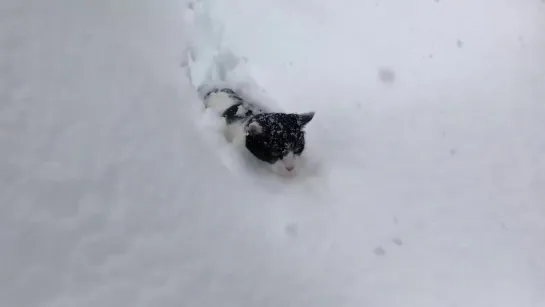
(426, 174)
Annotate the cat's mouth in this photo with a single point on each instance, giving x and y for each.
(286, 165)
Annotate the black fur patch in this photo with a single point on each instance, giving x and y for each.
(237, 112)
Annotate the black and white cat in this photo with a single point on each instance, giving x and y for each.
(275, 138)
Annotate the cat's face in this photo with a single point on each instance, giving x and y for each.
(278, 139)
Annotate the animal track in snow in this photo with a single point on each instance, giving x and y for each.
(379, 251)
(292, 229)
(386, 75)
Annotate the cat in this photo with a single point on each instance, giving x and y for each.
(276, 138)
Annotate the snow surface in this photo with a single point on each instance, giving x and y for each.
(427, 186)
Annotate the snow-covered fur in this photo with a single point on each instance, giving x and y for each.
(275, 138)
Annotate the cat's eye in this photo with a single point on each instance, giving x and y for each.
(276, 154)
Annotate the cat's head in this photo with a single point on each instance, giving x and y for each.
(278, 139)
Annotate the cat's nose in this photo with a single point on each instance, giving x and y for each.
(289, 168)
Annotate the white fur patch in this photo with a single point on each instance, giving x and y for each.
(219, 102)
(286, 166)
(254, 128)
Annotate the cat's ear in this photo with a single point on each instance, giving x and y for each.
(254, 128)
(305, 118)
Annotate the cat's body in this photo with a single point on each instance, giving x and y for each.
(275, 138)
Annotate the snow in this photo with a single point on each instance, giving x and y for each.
(426, 174)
